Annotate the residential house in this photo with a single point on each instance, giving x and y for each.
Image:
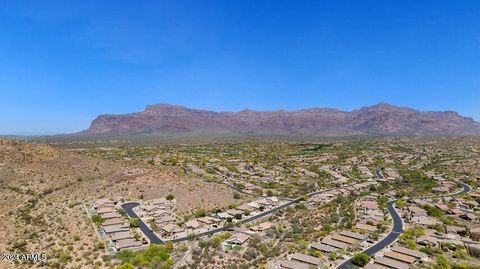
(427, 240)
(344, 239)
(224, 215)
(415, 211)
(165, 220)
(334, 243)
(391, 263)
(113, 221)
(193, 224)
(120, 235)
(254, 205)
(294, 265)
(234, 212)
(163, 203)
(115, 228)
(151, 209)
(104, 202)
(208, 220)
(442, 207)
(424, 220)
(110, 215)
(353, 235)
(105, 209)
(244, 208)
(303, 258)
(366, 227)
(160, 213)
(375, 266)
(373, 220)
(128, 243)
(400, 257)
(409, 252)
(237, 239)
(261, 227)
(323, 247)
(455, 211)
(170, 229)
(369, 206)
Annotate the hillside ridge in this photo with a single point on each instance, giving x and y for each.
(379, 119)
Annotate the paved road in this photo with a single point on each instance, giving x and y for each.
(466, 189)
(389, 239)
(128, 207)
(397, 228)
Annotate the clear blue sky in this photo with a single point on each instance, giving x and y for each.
(62, 63)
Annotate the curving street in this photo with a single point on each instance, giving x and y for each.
(397, 227)
(128, 207)
(371, 251)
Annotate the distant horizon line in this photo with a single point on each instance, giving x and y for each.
(229, 111)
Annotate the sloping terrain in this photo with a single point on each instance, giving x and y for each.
(381, 119)
(43, 190)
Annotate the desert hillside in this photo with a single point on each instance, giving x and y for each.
(43, 190)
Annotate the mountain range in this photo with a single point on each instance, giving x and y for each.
(380, 119)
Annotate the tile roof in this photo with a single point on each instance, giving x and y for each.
(354, 235)
(391, 263)
(294, 265)
(344, 239)
(410, 252)
(306, 259)
(334, 243)
(128, 243)
(400, 257)
(323, 247)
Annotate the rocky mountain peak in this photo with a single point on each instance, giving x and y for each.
(379, 119)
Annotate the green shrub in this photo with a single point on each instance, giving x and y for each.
(133, 222)
(361, 259)
(200, 213)
(154, 256)
(97, 220)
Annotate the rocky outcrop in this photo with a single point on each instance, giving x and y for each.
(380, 119)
